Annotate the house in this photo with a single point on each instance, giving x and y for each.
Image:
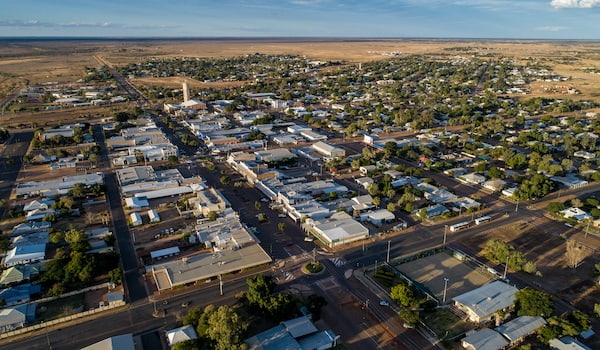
(19, 294)
(365, 182)
(484, 339)
(18, 274)
(11, 318)
(24, 254)
(153, 216)
(576, 213)
(365, 169)
(481, 303)
(115, 298)
(510, 192)
(39, 214)
(378, 217)
(297, 334)
(472, 178)
(520, 327)
(117, 342)
(495, 185)
(567, 343)
(274, 155)
(436, 210)
(31, 227)
(180, 334)
(136, 219)
(38, 204)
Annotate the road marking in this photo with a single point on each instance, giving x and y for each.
(338, 262)
(365, 328)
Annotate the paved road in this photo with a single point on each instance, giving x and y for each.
(134, 283)
(11, 160)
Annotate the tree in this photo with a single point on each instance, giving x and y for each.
(532, 302)
(403, 294)
(576, 202)
(212, 215)
(57, 237)
(225, 180)
(172, 160)
(56, 290)
(186, 345)
(78, 191)
(115, 275)
(257, 205)
(409, 316)
(574, 253)
(226, 328)
(314, 303)
(423, 213)
(281, 226)
(555, 207)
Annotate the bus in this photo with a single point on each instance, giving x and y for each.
(459, 226)
(482, 219)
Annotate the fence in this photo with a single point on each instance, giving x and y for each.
(98, 286)
(61, 320)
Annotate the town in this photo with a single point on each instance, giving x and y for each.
(276, 201)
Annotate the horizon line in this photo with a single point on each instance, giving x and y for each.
(248, 38)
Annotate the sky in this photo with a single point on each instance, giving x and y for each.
(526, 19)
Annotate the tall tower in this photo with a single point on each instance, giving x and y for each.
(186, 91)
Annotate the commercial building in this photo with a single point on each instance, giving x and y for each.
(339, 229)
(297, 334)
(328, 150)
(58, 186)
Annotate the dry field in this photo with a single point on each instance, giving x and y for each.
(65, 61)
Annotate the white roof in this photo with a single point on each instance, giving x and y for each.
(488, 299)
(341, 226)
(118, 342)
(11, 316)
(520, 327)
(485, 339)
(180, 334)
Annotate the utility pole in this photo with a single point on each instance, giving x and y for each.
(517, 207)
(506, 267)
(445, 232)
(445, 288)
(388, 252)
(220, 284)
(587, 229)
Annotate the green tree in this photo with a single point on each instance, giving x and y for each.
(260, 288)
(423, 213)
(257, 205)
(281, 226)
(403, 294)
(212, 215)
(532, 302)
(186, 345)
(226, 328)
(225, 180)
(56, 290)
(555, 207)
(115, 275)
(172, 160)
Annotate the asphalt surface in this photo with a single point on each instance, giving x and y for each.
(135, 287)
(11, 160)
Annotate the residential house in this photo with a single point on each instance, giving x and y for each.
(24, 254)
(136, 219)
(517, 329)
(484, 339)
(567, 343)
(482, 303)
(378, 217)
(117, 342)
(181, 334)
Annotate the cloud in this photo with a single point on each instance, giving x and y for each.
(551, 28)
(582, 4)
(36, 23)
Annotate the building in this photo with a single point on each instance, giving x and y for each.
(339, 229)
(209, 200)
(484, 339)
(136, 203)
(328, 150)
(136, 219)
(297, 334)
(59, 186)
(181, 334)
(24, 254)
(153, 216)
(274, 155)
(576, 213)
(11, 318)
(480, 304)
(19, 294)
(18, 274)
(520, 327)
(118, 342)
(567, 343)
(186, 91)
(378, 217)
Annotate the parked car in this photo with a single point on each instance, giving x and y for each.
(308, 239)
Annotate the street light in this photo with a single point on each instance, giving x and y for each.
(506, 267)
(517, 207)
(388, 252)
(445, 288)
(445, 232)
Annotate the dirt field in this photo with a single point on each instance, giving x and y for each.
(546, 248)
(175, 82)
(431, 271)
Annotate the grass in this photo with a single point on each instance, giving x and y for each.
(61, 307)
(445, 324)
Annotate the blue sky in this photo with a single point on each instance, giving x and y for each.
(544, 19)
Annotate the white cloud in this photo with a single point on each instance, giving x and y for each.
(583, 4)
(550, 28)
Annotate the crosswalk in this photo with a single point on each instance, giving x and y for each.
(338, 262)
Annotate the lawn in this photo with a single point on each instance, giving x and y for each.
(445, 324)
(61, 307)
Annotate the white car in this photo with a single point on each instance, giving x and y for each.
(308, 239)
(384, 303)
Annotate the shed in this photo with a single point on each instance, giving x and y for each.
(153, 216)
(136, 219)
